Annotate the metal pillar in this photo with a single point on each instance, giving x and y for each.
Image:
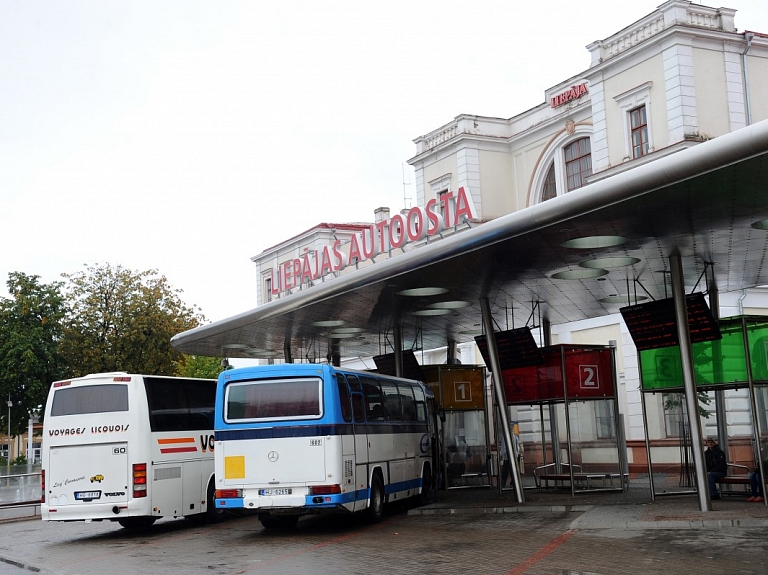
(689, 380)
(500, 397)
(398, 342)
(753, 405)
(717, 364)
(554, 432)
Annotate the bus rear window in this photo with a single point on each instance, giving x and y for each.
(274, 399)
(89, 399)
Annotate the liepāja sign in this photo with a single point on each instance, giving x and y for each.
(418, 223)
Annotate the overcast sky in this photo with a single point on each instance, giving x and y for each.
(189, 136)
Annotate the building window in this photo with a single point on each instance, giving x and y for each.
(550, 185)
(564, 165)
(674, 415)
(267, 289)
(639, 129)
(604, 420)
(578, 163)
(635, 107)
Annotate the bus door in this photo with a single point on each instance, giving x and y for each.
(360, 440)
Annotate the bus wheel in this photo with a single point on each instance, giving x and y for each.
(426, 485)
(137, 523)
(375, 511)
(279, 521)
(212, 513)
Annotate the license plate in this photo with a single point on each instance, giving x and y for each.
(273, 492)
(87, 495)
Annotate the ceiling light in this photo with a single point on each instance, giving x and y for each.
(760, 225)
(456, 304)
(431, 312)
(622, 298)
(234, 346)
(594, 242)
(617, 262)
(578, 274)
(421, 292)
(334, 335)
(329, 323)
(348, 330)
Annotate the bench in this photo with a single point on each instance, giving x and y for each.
(737, 478)
(544, 474)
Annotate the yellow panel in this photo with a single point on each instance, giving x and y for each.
(234, 467)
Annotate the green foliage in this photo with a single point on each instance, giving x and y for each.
(199, 366)
(20, 460)
(122, 320)
(674, 400)
(30, 334)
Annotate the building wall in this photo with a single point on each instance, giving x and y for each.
(711, 92)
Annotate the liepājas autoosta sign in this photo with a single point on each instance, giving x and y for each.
(450, 209)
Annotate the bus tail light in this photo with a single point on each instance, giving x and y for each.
(325, 489)
(229, 494)
(139, 479)
(42, 486)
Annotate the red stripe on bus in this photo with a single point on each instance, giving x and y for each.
(178, 449)
(176, 440)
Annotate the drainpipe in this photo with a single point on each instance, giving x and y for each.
(745, 74)
(741, 301)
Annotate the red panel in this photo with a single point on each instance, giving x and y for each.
(589, 373)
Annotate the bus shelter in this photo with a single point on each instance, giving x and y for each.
(738, 360)
(461, 393)
(579, 441)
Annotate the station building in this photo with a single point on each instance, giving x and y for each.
(680, 76)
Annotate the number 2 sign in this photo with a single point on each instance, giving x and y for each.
(589, 377)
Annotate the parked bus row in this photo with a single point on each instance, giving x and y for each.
(280, 441)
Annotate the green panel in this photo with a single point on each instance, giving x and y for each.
(757, 334)
(721, 362)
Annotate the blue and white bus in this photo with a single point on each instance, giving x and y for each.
(295, 439)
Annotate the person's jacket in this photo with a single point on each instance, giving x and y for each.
(715, 459)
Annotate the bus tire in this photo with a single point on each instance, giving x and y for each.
(375, 511)
(137, 523)
(426, 485)
(212, 514)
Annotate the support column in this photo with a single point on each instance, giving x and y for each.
(717, 363)
(689, 380)
(554, 432)
(398, 342)
(501, 399)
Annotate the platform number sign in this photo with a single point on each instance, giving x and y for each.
(589, 377)
(462, 391)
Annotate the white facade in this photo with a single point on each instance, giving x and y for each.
(679, 76)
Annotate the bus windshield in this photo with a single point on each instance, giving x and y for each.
(299, 398)
(89, 399)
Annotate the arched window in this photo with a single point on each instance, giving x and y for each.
(578, 163)
(549, 190)
(564, 165)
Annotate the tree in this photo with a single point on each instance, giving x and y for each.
(30, 334)
(123, 320)
(200, 366)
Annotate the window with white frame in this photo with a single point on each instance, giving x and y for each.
(565, 165)
(578, 163)
(638, 125)
(635, 106)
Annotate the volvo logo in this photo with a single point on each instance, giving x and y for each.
(273, 456)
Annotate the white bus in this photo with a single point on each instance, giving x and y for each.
(295, 439)
(128, 448)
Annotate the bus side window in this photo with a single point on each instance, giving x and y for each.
(358, 407)
(392, 401)
(358, 403)
(421, 405)
(374, 401)
(409, 404)
(346, 408)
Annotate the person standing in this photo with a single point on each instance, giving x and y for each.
(716, 466)
(755, 480)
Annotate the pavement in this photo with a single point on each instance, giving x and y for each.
(632, 509)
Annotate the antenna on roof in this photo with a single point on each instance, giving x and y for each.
(405, 195)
